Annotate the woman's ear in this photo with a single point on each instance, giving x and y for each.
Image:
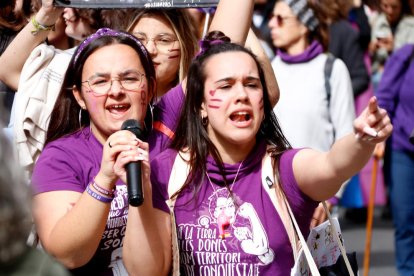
(78, 96)
(203, 111)
(304, 30)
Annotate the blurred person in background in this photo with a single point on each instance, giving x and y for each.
(344, 43)
(393, 28)
(310, 115)
(16, 257)
(395, 94)
(261, 16)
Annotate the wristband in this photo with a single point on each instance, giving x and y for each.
(97, 196)
(39, 27)
(103, 190)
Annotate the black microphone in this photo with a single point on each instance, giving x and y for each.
(134, 183)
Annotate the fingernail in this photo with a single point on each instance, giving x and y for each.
(357, 136)
(370, 132)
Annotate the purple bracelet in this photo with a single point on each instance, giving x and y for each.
(97, 196)
(102, 190)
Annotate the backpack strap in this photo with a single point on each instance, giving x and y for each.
(178, 176)
(327, 73)
(272, 186)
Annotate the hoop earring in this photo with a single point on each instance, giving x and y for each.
(204, 120)
(149, 119)
(80, 118)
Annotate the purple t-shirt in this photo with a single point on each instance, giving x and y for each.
(256, 241)
(166, 115)
(70, 164)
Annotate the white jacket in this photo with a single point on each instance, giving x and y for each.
(40, 83)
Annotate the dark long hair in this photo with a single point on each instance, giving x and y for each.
(65, 115)
(192, 135)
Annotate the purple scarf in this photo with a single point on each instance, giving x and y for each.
(311, 52)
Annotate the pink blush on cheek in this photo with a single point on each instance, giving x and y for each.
(93, 108)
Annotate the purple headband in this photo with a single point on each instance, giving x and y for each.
(107, 32)
(206, 44)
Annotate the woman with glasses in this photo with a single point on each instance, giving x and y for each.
(80, 202)
(171, 39)
(301, 37)
(316, 107)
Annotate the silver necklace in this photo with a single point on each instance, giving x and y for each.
(223, 221)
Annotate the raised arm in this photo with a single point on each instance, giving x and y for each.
(255, 46)
(346, 157)
(233, 18)
(16, 54)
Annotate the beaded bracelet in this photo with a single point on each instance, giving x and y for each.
(103, 190)
(39, 27)
(97, 196)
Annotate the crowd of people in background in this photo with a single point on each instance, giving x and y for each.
(319, 87)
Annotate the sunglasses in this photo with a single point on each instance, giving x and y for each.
(280, 20)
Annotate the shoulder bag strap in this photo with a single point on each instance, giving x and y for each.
(311, 262)
(338, 241)
(327, 71)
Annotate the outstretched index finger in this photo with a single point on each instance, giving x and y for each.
(373, 105)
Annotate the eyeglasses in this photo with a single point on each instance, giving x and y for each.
(280, 20)
(102, 84)
(163, 42)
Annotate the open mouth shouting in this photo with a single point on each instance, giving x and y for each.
(118, 109)
(241, 118)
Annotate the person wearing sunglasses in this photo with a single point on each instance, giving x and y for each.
(310, 115)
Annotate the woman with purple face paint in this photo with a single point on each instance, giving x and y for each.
(223, 220)
(80, 202)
